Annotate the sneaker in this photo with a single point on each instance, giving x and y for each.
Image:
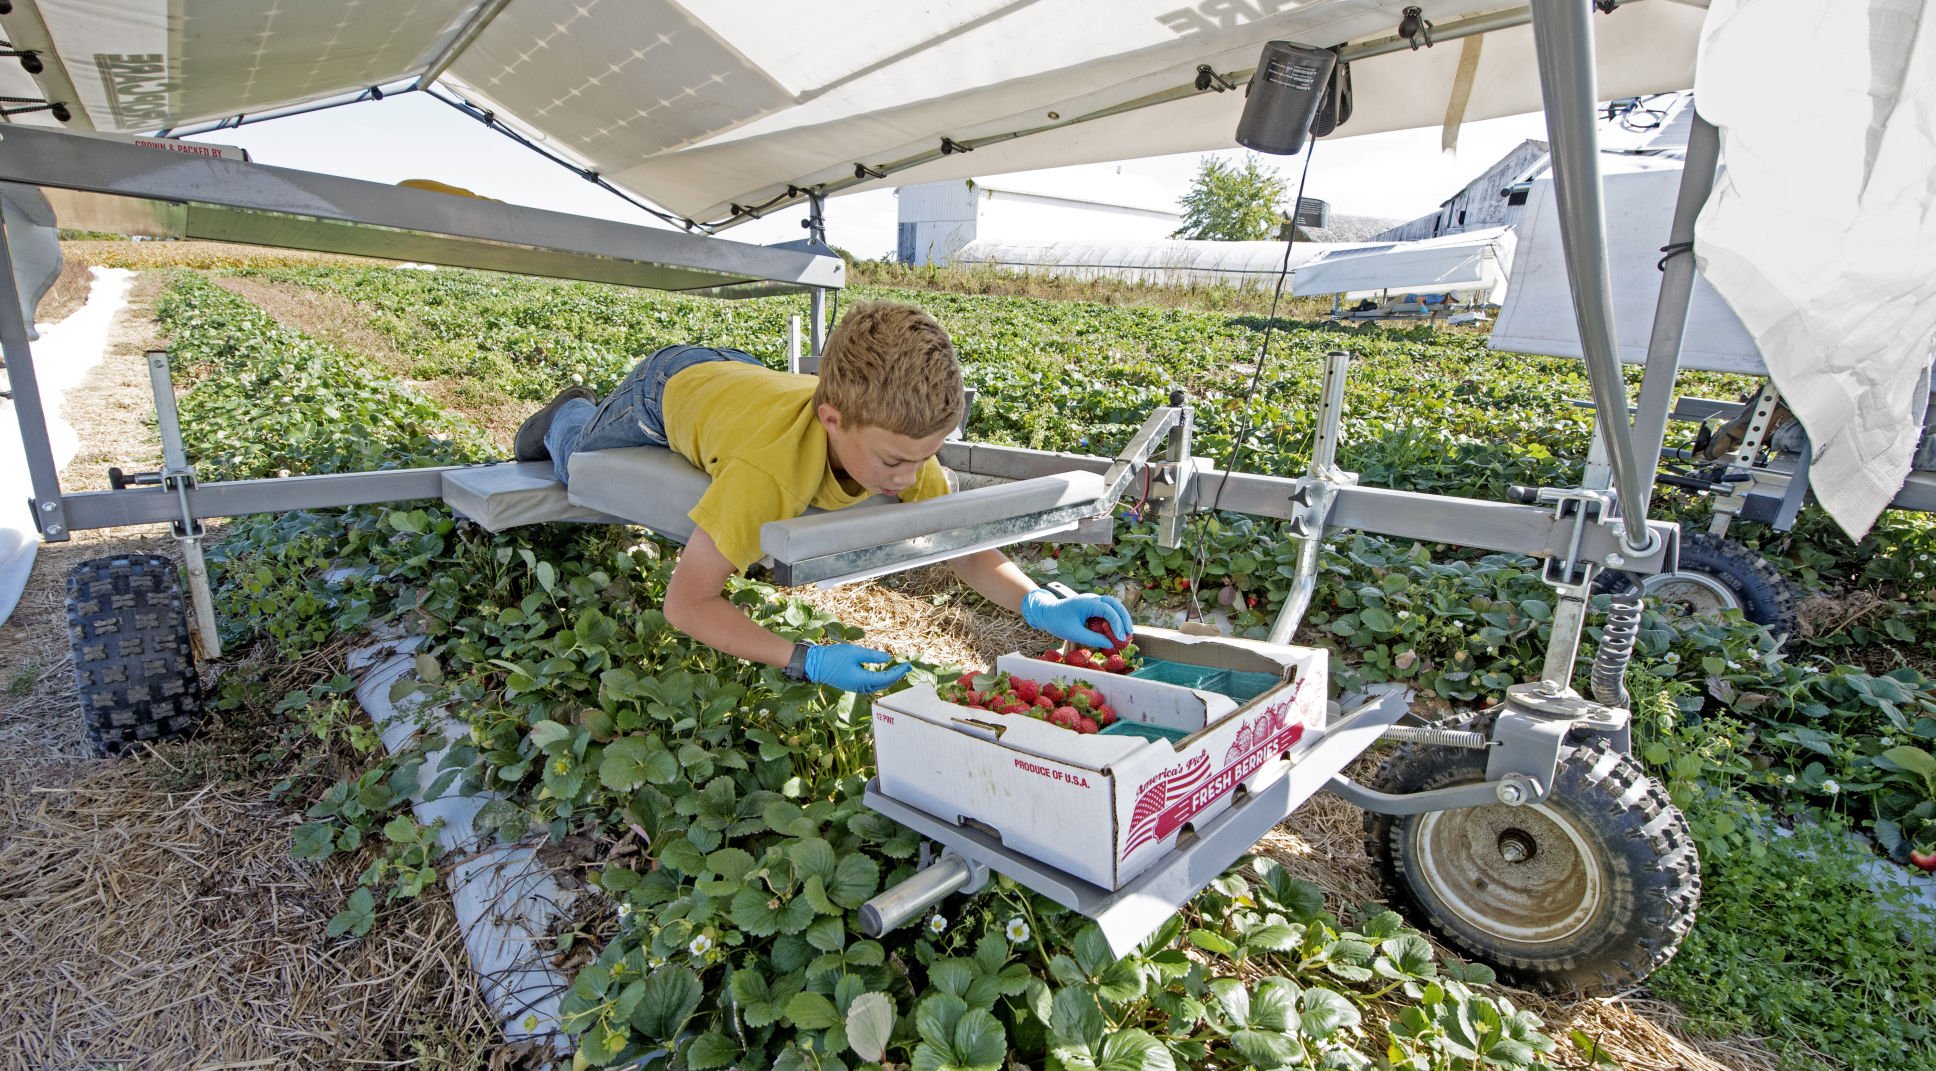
(530, 445)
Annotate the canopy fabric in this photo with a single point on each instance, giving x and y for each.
(1456, 263)
(1820, 233)
(1537, 313)
(700, 105)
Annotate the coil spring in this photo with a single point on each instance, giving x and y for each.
(1616, 649)
(1426, 734)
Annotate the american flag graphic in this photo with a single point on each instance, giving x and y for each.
(1158, 793)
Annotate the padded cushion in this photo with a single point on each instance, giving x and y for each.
(514, 493)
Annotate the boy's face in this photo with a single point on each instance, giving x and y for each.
(880, 460)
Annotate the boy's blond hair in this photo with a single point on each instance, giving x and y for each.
(891, 366)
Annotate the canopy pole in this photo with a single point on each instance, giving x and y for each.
(1569, 88)
(816, 224)
(49, 509)
(1676, 295)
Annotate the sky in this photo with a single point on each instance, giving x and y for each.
(1398, 175)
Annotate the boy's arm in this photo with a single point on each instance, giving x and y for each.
(1001, 581)
(696, 605)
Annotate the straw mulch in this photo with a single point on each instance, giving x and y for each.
(150, 914)
(148, 926)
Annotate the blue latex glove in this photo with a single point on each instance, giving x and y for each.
(842, 665)
(1069, 618)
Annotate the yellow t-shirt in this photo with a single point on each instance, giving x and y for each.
(753, 430)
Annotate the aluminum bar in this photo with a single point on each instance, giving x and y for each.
(1563, 42)
(231, 200)
(49, 514)
(1676, 294)
(156, 505)
(1316, 519)
(1499, 526)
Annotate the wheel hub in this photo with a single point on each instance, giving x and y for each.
(1698, 592)
(1524, 874)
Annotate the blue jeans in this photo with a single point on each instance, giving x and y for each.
(633, 414)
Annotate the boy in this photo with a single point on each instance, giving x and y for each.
(888, 393)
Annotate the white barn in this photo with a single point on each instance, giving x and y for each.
(1071, 204)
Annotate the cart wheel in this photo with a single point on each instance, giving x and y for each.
(128, 631)
(1587, 892)
(1715, 574)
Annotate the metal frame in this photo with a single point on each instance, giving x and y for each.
(122, 186)
(1574, 532)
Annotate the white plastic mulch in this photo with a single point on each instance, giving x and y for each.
(63, 356)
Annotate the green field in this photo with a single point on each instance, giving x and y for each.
(736, 943)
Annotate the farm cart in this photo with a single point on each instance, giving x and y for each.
(1529, 837)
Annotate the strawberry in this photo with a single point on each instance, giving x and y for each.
(1105, 715)
(1925, 860)
(1115, 664)
(967, 681)
(1081, 656)
(1101, 626)
(1026, 690)
(1053, 691)
(1052, 655)
(1016, 708)
(1065, 713)
(1043, 702)
(1088, 725)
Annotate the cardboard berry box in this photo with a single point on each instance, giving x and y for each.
(1104, 807)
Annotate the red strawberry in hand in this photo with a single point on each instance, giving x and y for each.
(1101, 626)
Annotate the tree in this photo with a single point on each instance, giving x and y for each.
(1227, 203)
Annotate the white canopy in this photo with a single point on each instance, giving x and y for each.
(1537, 314)
(1475, 261)
(699, 105)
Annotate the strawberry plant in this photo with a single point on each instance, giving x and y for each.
(727, 800)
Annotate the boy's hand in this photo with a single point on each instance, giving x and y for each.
(1069, 618)
(843, 666)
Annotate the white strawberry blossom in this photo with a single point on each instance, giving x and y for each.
(700, 945)
(1017, 930)
(936, 924)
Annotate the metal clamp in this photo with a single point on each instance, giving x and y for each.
(1533, 726)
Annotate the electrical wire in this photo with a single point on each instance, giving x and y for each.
(1198, 560)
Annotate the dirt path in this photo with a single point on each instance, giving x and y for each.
(151, 913)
